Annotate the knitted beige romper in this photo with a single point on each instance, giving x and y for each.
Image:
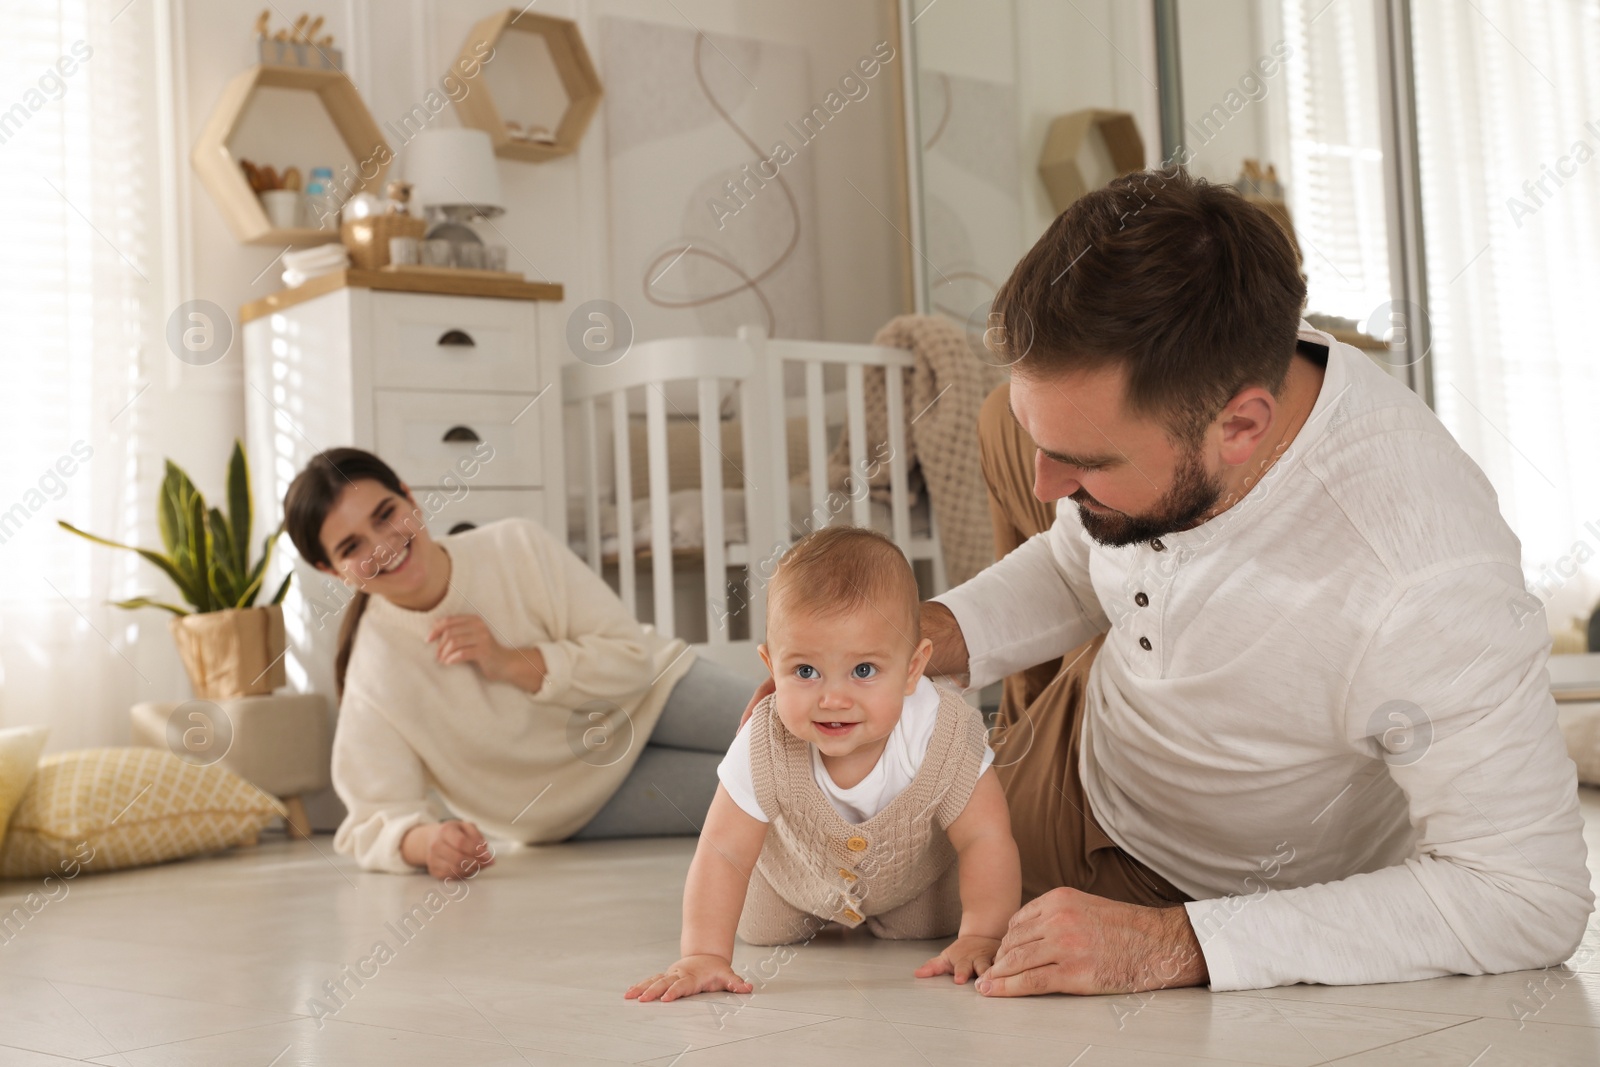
(896, 872)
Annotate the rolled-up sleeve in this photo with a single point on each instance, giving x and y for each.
(1030, 606)
(383, 784)
(1452, 694)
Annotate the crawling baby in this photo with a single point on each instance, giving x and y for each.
(857, 793)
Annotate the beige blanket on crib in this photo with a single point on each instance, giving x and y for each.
(944, 390)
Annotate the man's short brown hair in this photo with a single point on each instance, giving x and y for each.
(1192, 289)
(841, 569)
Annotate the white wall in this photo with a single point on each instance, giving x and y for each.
(555, 225)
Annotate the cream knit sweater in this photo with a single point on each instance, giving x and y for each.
(530, 767)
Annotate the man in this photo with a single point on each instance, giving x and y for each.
(1303, 730)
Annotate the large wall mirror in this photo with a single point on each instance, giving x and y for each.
(1278, 97)
(989, 80)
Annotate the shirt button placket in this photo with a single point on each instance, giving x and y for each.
(1142, 599)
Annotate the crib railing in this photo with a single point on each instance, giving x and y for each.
(758, 368)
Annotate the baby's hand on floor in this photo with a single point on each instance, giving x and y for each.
(697, 974)
(965, 959)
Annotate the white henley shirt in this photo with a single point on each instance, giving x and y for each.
(1325, 713)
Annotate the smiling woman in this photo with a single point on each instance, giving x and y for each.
(495, 668)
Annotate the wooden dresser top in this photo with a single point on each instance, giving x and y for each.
(395, 282)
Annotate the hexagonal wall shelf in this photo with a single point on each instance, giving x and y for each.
(1074, 162)
(572, 70)
(223, 178)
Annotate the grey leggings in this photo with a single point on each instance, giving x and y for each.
(671, 786)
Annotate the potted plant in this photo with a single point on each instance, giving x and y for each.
(229, 647)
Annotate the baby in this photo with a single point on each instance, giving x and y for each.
(872, 781)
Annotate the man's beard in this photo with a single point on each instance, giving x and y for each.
(1193, 493)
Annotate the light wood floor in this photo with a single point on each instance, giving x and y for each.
(227, 961)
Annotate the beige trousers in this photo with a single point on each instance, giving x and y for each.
(1039, 732)
(768, 919)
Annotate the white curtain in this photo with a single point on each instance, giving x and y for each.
(81, 297)
(1508, 93)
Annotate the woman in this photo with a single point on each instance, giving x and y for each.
(495, 668)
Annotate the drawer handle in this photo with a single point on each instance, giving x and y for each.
(460, 526)
(457, 337)
(461, 433)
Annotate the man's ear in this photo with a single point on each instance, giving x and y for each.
(1244, 422)
(765, 658)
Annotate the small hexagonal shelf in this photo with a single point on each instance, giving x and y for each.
(1086, 149)
(516, 96)
(223, 178)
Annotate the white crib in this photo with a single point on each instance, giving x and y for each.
(741, 395)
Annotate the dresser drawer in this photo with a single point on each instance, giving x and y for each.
(450, 342)
(426, 437)
(451, 508)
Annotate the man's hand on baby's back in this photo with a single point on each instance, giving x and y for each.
(690, 975)
(966, 958)
(950, 657)
(764, 690)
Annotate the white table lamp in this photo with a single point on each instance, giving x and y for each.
(453, 174)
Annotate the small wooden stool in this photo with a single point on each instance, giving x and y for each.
(280, 743)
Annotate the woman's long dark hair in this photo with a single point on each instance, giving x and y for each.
(311, 496)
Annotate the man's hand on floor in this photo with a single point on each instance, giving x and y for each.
(1071, 942)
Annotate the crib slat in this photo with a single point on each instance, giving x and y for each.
(766, 491)
(622, 460)
(715, 539)
(899, 510)
(776, 475)
(856, 415)
(655, 415)
(758, 523)
(591, 496)
(817, 446)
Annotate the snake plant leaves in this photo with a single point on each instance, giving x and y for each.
(207, 551)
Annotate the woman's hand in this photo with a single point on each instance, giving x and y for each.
(764, 690)
(690, 975)
(447, 849)
(467, 639)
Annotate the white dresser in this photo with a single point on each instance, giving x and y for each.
(458, 392)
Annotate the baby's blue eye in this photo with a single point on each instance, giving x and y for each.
(865, 670)
(806, 671)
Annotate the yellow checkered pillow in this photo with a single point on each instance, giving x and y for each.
(105, 808)
(19, 755)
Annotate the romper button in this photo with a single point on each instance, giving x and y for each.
(1144, 643)
(1141, 600)
(1157, 545)
(856, 844)
(846, 875)
(852, 915)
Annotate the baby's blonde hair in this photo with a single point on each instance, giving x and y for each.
(843, 569)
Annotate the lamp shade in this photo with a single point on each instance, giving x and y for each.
(454, 167)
